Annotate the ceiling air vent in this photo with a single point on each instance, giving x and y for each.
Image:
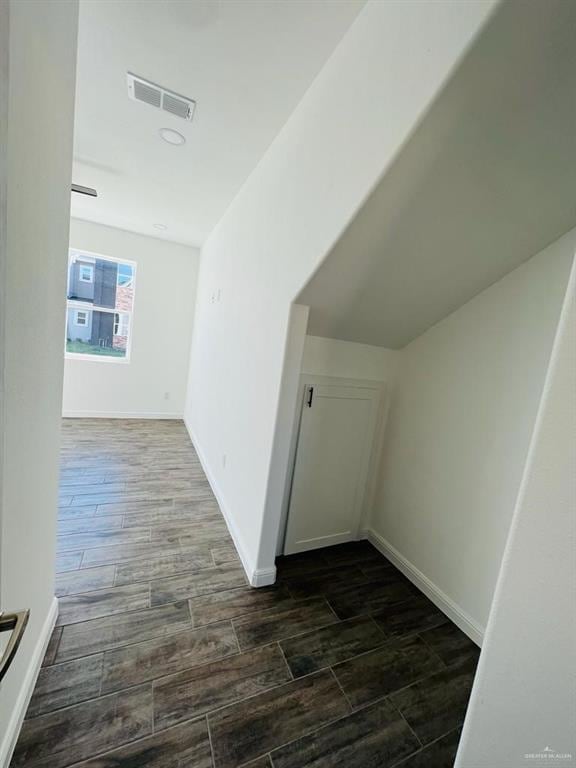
(157, 96)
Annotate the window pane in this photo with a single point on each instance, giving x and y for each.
(86, 273)
(111, 282)
(100, 302)
(96, 336)
(124, 274)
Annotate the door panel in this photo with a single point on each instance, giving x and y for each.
(331, 467)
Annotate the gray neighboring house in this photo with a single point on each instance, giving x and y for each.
(92, 282)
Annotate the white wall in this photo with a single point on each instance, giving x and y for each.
(153, 383)
(523, 695)
(284, 220)
(458, 431)
(347, 359)
(33, 256)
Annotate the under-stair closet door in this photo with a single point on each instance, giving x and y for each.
(332, 459)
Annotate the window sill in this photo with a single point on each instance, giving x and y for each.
(96, 358)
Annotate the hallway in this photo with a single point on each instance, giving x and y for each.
(163, 657)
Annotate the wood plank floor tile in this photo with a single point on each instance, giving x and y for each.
(124, 629)
(185, 746)
(73, 513)
(374, 737)
(124, 553)
(280, 622)
(66, 684)
(82, 489)
(260, 762)
(163, 656)
(196, 505)
(233, 603)
(84, 541)
(314, 585)
(208, 532)
(167, 515)
(206, 535)
(329, 645)
(133, 507)
(374, 569)
(436, 705)
(222, 555)
(300, 565)
(385, 670)
(52, 649)
(438, 754)
(367, 598)
(196, 691)
(162, 567)
(89, 524)
(84, 580)
(106, 496)
(197, 583)
(413, 615)
(360, 552)
(68, 561)
(70, 735)
(451, 644)
(86, 499)
(102, 602)
(247, 730)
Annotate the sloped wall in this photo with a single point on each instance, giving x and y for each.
(309, 184)
(462, 413)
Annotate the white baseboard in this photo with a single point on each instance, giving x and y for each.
(454, 612)
(17, 717)
(119, 415)
(257, 577)
(263, 577)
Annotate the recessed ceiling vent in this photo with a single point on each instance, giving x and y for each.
(159, 97)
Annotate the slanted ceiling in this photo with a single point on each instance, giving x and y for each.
(487, 180)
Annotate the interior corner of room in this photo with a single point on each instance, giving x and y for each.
(279, 402)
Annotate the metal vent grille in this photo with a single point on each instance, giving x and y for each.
(176, 106)
(147, 93)
(159, 97)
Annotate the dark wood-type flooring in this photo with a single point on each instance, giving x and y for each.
(163, 656)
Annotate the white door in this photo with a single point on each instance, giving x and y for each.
(332, 458)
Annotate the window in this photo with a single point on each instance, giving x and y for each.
(100, 303)
(86, 273)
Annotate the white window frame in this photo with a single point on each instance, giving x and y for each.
(121, 326)
(77, 313)
(83, 279)
(71, 304)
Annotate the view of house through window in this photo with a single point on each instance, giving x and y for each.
(100, 304)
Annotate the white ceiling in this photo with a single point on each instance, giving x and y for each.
(247, 63)
(486, 181)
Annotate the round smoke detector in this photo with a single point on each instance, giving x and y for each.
(172, 136)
